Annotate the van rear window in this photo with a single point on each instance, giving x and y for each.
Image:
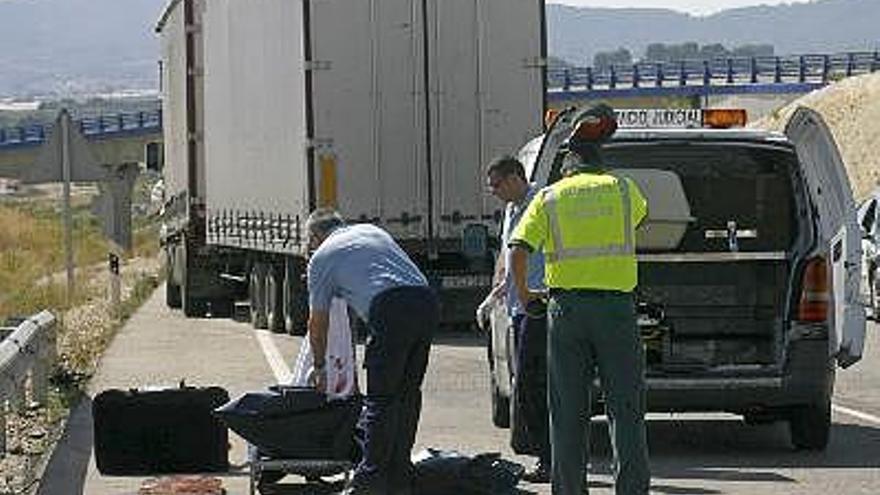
(726, 184)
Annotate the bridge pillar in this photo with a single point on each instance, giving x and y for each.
(826, 68)
(802, 69)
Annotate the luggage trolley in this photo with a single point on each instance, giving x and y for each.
(260, 465)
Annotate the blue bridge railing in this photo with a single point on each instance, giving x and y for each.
(98, 127)
(718, 75)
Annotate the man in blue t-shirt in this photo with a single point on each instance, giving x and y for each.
(506, 180)
(363, 265)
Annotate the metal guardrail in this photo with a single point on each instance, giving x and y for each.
(99, 127)
(725, 74)
(27, 356)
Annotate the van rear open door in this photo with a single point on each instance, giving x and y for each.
(831, 194)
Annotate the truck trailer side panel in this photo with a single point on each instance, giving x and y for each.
(459, 193)
(256, 137)
(368, 111)
(174, 100)
(487, 96)
(513, 60)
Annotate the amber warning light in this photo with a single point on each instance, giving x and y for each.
(718, 118)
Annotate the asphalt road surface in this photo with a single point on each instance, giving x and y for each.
(690, 454)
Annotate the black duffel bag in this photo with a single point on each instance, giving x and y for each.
(439, 472)
(295, 423)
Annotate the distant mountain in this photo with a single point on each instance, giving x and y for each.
(77, 46)
(73, 47)
(821, 26)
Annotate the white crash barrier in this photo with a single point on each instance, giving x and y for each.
(27, 356)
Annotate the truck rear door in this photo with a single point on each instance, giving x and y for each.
(486, 98)
(368, 118)
(831, 194)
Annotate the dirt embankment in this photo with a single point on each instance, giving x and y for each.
(851, 108)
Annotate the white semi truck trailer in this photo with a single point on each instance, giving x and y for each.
(387, 110)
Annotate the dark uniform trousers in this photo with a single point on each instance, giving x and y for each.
(401, 325)
(530, 431)
(593, 331)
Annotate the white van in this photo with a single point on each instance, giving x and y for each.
(749, 266)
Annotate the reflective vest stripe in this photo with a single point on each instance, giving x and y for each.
(561, 253)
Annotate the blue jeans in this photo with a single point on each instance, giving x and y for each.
(401, 325)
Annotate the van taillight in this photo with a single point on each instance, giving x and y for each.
(813, 306)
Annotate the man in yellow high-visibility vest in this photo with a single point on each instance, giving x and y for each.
(585, 225)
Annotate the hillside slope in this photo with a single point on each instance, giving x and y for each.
(851, 108)
(822, 26)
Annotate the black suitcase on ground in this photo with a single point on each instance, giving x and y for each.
(295, 423)
(161, 431)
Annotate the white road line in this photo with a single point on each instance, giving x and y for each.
(856, 414)
(273, 357)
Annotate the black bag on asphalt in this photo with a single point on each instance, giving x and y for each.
(160, 431)
(295, 423)
(439, 472)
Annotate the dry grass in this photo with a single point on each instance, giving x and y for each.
(32, 278)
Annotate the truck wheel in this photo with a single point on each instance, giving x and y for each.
(810, 426)
(172, 295)
(172, 287)
(222, 307)
(193, 307)
(294, 298)
(273, 300)
(257, 289)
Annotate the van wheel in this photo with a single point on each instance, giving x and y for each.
(810, 426)
(500, 407)
(875, 302)
(257, 289)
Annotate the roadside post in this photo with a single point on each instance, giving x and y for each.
(113, 207)
(65, 157)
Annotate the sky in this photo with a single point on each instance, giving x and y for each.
(695, 7)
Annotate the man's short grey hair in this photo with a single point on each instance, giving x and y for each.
(323, 221)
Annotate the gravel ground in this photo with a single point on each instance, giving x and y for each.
(87, 330)
(851, 108)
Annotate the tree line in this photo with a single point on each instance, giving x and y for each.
(661, 52)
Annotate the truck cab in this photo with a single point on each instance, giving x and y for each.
(749, 265)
